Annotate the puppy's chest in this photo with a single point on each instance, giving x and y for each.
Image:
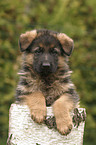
(51, 92)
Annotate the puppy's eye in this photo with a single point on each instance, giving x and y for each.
(54, 51)
(38, 50)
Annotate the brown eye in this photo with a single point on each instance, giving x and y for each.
(54, 51)
(38, 50)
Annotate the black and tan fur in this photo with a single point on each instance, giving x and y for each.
(45, 76)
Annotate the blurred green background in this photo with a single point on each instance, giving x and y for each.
(76, 18)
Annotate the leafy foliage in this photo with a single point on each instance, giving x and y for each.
(75, 18)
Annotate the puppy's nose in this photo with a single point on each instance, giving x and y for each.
(46, 65)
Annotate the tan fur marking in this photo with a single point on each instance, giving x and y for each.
(41, 45)
(29, 58)
(39, 34)
(52, 45)
(62, 63)
(37, 106)
(61, 109)
(51, 33)
(27, 38)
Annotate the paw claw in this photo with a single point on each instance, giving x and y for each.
(38, 116)
(64, 127)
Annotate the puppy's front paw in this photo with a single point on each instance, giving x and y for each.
(38, 115)
(62, 108)
(64, 125)
(37, 106)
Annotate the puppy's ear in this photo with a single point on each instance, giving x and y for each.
(66, 42)
(26, 39)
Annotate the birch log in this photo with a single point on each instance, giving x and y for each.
(24, 131)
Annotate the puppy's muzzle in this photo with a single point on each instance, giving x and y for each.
(46, 67)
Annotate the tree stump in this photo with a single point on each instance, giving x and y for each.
(24, 131)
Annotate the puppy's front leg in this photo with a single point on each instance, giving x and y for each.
(37, 106)
(61, 109)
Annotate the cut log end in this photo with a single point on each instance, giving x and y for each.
(24, 131)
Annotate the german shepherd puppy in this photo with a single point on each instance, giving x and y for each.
(45, 77)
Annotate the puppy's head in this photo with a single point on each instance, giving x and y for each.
(46, 46)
